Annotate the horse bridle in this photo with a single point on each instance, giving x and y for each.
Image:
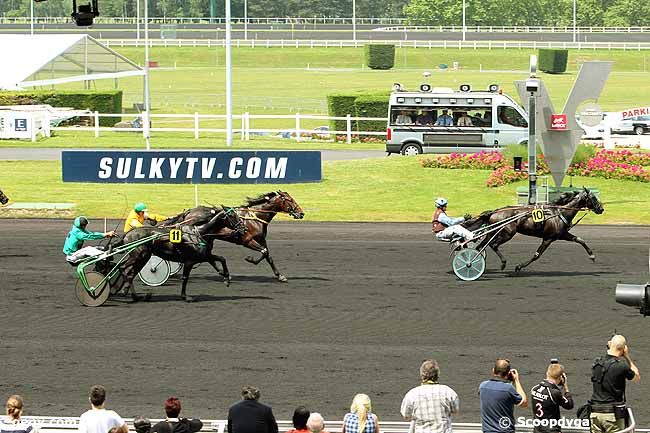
(292, 209)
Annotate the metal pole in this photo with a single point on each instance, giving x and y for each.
(464, 25)
(245, 20)
(137, 20)
(31, 23)
(532, 162)
(354, 21)
(574, 20)
(147, 98)
(228, 78)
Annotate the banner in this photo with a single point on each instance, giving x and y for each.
(191, 167)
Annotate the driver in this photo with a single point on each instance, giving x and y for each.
(73, 247)
(139, 215)
(445, 227)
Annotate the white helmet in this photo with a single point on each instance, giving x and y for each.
(441, 202)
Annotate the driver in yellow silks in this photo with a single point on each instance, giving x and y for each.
(139, 215)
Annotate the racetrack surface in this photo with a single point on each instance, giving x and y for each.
(364, 305)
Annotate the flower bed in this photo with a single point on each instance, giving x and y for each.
(474, 161)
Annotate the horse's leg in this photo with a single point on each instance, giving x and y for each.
(537, 255)
(187, 268)
(138, 258)
(226, 273)
(495, 248)
(264, 250)
(567, 236)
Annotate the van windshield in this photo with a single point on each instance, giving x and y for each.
(442, 116)
(510, 116)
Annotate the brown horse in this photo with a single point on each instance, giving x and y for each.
(558, 220)
(257, 213)
(3, 198)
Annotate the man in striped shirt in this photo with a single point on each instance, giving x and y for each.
(430, 406)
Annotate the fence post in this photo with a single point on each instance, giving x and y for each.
(248, 126)
(96, 124)
(196, 125)
(242, 131)
(297, 126)
(348, 128)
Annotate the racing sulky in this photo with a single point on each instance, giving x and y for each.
(558, 220)
(194, 247)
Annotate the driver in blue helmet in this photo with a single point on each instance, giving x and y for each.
(73, 247)
(445, 227)
(139, 215)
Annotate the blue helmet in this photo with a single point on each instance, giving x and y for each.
(441, 202)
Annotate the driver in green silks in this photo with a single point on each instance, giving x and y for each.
(73, 247)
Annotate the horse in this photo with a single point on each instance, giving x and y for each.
(3, 198)
(195, 247)
(558, 220)
(257, 213)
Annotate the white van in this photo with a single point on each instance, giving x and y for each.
(442, 120)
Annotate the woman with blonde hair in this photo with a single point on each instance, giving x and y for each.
(360, 419)
(13, 423)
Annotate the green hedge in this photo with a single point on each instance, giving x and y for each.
(371, 106)
(553, 61)
(380, 56)
(109, 101)
(340, 105)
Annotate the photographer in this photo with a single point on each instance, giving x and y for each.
(548, 396)
(608, 376)
(498, 398)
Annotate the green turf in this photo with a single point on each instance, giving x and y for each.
(384, 189)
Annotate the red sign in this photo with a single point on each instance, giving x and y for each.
(558, 122)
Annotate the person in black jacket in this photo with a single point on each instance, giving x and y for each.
(174, 424)
(548, 397)
(251, 416)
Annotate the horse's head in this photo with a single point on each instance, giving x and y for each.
(3, 198)
(285, 203)
(591, 201)
(233, 220)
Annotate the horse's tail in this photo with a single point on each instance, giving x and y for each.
(479, 221)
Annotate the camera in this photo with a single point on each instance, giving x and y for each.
(532, 85)
(555, 361)
(634, 295)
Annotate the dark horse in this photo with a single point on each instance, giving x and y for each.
(558, 220)
(195, 246)
(256, 213)
(3, 198)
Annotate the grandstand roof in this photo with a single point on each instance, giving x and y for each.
(46, 59)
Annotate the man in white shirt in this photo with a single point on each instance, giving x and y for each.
(98, 419)
(430, 406)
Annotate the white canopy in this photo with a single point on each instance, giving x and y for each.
(42, 60)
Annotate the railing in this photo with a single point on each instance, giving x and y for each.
(513, 29)
(307, 43)
(298, 132)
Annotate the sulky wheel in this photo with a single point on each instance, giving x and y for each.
(468, 264)
(474, 245)
(155, 272)
(175, 267)
(99, 290)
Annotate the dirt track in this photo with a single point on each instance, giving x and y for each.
(365, 304)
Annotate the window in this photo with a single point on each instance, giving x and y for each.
(510, 116)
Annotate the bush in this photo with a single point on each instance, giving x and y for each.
(584, 153)
(371, 106)
(340, 105)
(553, 61)
(380, 56)
(104, 101)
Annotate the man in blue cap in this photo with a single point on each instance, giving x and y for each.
(73, 247)
(139, 215)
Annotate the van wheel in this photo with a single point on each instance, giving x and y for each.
(638, 130)
(411, 150)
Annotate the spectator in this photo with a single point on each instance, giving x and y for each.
(316, 423)
(403, 118)
(98, 419)
(498, 398)
(251, 416)
(300, 417)
(174, 424)
(142, 424)
(426, 118)
(608, 376)
(464, 120)
(360, 419)
(431, 404)
(445, 119)
(12, 423)
(548, 396)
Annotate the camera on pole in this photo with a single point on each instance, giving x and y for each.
(85, 14)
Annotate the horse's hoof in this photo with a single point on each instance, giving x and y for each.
(593, 258)
(188, 299)
(282, 278)
(226, 281)
(250, 259)
(503, 266)
(517, 269)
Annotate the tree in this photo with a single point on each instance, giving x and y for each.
(433, 12)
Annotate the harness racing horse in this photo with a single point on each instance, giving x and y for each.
(195, 247)
(257, 213)
(3, 198)
(558, 220)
